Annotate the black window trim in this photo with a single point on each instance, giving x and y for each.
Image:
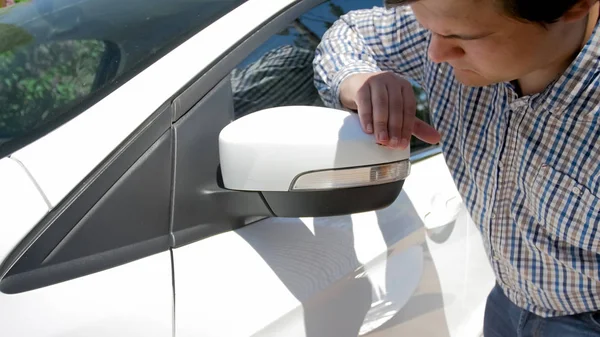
(86, 194)
(425, 153)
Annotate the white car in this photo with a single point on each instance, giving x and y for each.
(168, 169)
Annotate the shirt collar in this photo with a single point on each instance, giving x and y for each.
(568, 88)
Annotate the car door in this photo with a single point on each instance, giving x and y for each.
(86, 148)
(415, 268)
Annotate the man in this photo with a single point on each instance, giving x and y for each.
(513, 89)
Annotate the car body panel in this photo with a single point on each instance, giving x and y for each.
(21, 205)
(457, 276)
(271, 269)
(130, 300)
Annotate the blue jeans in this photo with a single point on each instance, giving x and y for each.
(504, 319)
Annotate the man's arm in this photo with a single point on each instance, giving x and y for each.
(369, 41)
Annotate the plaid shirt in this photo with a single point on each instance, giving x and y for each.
(528, 168)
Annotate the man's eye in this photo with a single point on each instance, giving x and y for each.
(460, 37)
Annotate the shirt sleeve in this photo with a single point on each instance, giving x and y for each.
(369, 40)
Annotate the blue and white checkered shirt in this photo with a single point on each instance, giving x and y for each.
(528, 168)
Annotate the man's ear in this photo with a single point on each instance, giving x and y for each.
(579, 10)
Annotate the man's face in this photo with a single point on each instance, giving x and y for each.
(485, 46)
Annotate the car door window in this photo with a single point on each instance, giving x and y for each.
(59, 57)
(39, 80)
(280, 72)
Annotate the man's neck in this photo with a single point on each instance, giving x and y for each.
(538, 80)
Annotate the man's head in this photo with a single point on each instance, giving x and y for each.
(490, 41)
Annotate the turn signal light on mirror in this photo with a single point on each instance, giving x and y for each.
(352, 177)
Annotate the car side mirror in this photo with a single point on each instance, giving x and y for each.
(310, 161)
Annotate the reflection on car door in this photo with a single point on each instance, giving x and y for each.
(459, 276)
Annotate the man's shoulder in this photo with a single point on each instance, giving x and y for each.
(383, 16)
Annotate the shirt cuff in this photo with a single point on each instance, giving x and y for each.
(341, 75)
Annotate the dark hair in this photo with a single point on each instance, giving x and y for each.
(536, 11)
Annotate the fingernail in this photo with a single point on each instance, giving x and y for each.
(383, 136)
(403, 143)
(369, 128)
(394, 142)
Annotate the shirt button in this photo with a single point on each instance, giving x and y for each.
(500, 165)
(576, 190)
(493, 215)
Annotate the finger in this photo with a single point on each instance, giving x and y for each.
(379, 100)
(396, 114)
(365, 110)
(425, 132)
(410, 109)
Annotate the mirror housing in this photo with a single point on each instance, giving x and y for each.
(310, 161)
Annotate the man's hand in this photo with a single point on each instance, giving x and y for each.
(386, 106)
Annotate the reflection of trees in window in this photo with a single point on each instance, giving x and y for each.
(38, 81)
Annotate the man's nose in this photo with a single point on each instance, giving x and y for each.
(443, 50)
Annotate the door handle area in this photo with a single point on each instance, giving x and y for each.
(441, 221)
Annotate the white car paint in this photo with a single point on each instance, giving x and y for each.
(135, 299)
(21, 205)
(61, 159)
(463, 274)
(306, 268)
(267, 150)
